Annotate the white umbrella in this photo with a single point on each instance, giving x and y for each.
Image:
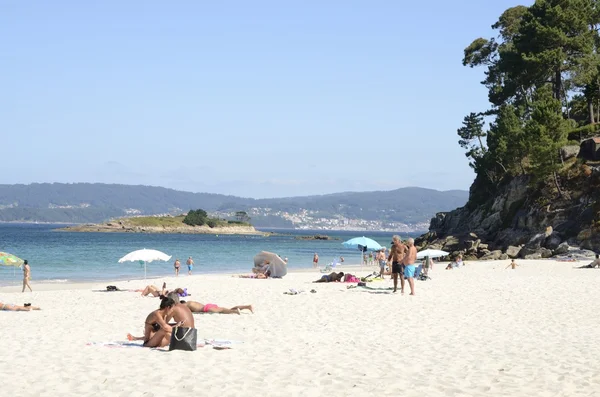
(431, 253)
(145, 256)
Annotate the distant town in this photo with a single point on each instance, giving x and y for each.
(305, 220)
(311, 220)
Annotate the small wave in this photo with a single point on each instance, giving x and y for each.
(64, 280)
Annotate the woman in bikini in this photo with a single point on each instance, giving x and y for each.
(197, 307)
(157, 333)
(16, 308)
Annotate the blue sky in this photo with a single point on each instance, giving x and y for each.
(251, 98)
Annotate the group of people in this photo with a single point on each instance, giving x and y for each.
(174, 312)
(189, 263)
(403, 258)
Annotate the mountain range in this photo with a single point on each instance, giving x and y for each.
(96, 202)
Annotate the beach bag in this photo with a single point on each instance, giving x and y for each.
(183, 338)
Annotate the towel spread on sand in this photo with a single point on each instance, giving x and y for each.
(215, 343)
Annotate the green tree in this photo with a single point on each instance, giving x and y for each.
(242, 216)
(547, 133)
(196, 218)
(471, 138)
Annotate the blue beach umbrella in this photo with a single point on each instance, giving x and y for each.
(362, 244)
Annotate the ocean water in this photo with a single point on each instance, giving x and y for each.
(69, 256)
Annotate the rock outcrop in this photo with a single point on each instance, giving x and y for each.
(521, 223)
(124, 227)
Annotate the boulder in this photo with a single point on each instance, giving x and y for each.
(570, 151)
(546, 253)
(562, 249)
(512, 251)
(503, 257)
(553, 241)
(494, 255)
(536, 254)
(472, 245)
(482, 247)
(484, 252)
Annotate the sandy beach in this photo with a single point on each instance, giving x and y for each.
(479, 330)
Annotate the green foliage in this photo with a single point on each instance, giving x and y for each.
(471, 135)
(196, 218)
(242, 216)
(584, 132)
(546, 131)
(543, 65)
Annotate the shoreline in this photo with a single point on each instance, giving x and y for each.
(59, 285)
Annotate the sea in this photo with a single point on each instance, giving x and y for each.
(60, 257)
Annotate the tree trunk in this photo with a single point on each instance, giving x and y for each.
(560, 192)
(591, 110)
(557, 84)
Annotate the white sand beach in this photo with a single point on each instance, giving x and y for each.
(480, 330)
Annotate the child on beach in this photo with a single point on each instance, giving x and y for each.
(512, 264)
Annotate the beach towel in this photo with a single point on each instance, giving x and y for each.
(215, 343)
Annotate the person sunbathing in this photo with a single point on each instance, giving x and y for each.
(16, 308)
(331, 278)
(592, 265)
(197, 307)
(157, 333)
(152, 290)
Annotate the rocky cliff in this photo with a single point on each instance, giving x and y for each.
(524, 220)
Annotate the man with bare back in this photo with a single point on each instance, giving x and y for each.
(397, 253)
(409, 264)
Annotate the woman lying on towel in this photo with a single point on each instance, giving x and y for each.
(197, 307)
(16, 308)
(331, 278)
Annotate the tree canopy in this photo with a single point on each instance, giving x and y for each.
(542, 72)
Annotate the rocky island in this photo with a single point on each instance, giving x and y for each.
(163, 224)
(536, 149)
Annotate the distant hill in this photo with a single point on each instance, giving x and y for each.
(95, 202)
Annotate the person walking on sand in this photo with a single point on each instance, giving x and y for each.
(316, 260)
(26, 276)
(177, 266)
(512, 264)
(409, 264)
(190, 265)
(396, 255)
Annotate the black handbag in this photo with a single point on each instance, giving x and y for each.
(183, 338)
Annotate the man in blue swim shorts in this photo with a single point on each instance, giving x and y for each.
(190, 265)
(409, 264)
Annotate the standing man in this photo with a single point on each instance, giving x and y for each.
(177, 266)
(409, 264)
(397, 253)
(316, 260)
(190, 265)
(26, 276)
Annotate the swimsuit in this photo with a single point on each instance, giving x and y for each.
(209, 306)
(409, 271)
(5, 305)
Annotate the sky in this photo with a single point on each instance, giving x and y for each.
(249, 98)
